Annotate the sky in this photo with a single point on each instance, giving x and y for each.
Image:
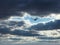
(27, 22)
(35, 14)
(30, 18)
(34, 7)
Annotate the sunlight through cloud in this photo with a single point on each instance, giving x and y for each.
(34, 20)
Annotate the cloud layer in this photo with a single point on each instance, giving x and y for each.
(34, 7)
(28, 25)
(26, 29)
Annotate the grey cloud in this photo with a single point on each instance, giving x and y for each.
(6, 28)
(35, 7)
(32, 31)
(18, 32)
(47, 26)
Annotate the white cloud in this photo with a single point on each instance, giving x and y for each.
(55, 16)
(15, 18)
(19, 39)
(50, 33)
(34, 20)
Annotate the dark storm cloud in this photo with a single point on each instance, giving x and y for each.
(6, 28)
(18, 32)
(13, 7)
(24, 33)
(47, 26)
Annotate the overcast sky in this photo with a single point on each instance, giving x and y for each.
(34, 7)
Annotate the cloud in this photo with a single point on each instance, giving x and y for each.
(24, 33)
(55, 16)
(17, 32)
(50, 34)
(14, 39)
(34, 7)
(32, 20)
(39, 31)
(47, 26)
(14, 28)
(24, 28)
(45, 36)
(36, 22)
